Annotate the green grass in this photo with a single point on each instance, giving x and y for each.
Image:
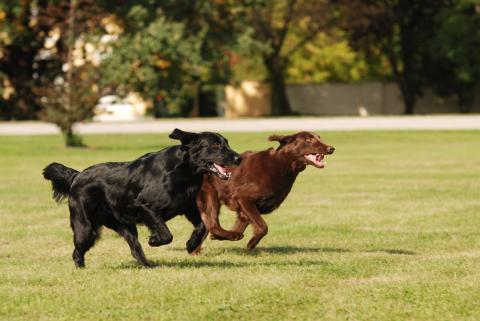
(390, 230)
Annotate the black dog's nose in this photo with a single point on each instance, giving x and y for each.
(237, 159)
(330, 149)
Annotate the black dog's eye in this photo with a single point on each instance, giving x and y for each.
(216, 145)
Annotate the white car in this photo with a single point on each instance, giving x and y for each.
(114, 108)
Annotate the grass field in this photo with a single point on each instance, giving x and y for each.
(390, 230)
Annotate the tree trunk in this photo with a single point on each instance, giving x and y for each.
(276, 76)
(409, 75)
(403, 82)
(408, 87)
(72, 140)
(409, 101)
(466, 99)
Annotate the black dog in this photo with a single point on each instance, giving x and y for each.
(149, 190)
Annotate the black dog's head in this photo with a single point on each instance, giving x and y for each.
(209, 152)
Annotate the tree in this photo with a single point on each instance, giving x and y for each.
(453, 63)
(400, 29)
(65, 106)
(286, 26)
(330, 58)
(157, 58)
(73, 93)
(22, 37)
(171, 49)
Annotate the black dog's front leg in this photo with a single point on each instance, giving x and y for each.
(161, 235)
(199, 234)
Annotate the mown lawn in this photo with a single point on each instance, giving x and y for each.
(390, 230)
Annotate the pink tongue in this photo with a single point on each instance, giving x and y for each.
(220, 168)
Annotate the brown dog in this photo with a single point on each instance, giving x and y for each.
(259, 185)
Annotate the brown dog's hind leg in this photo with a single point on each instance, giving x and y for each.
(260, 227)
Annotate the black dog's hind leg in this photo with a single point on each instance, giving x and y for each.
(130, 234)
(161, 235)
(84, 234)
(194, 244)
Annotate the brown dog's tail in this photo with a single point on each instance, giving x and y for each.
(61, 177)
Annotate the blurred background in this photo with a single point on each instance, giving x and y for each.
(389, 230)
(69, 61)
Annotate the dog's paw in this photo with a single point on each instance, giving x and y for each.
(196, 251)
(235, 236)
(192, 246)
(229, 236)
(156, 241)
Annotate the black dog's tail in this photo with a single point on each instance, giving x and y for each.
(61, 177)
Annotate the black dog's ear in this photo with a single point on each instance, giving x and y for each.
(185, 137)
(282, 139)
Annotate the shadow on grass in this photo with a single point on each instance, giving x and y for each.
(287, 250)
(393, 251)
(203, 260)
(189, 264)
(273, 250)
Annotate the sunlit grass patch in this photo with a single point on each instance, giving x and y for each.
(389, 230)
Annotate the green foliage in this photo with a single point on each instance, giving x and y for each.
(21, 38)
(26, 62)
(173, 49)
(453, 62)
(285, 27)
(159, 59)
(72, 92)
(400, 29)
(330, 58)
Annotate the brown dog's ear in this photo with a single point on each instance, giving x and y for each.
(282, 139)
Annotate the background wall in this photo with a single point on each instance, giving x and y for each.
(249, 98)
(369, 98)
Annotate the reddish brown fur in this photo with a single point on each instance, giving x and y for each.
(257, 186)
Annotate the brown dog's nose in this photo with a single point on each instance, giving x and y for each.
(330, 149)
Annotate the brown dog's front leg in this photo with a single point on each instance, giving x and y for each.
(241, 223)
(239, 227)
(209, 206)
(260, 227)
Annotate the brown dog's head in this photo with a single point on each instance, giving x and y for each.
(306, 147)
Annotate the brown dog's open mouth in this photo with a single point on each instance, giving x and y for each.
(316, 160)
(220, 171)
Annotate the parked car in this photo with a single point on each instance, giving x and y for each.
(114, 108)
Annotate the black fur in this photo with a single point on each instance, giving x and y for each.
(149, 190)
(61, 177)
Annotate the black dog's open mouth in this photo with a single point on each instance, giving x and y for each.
(316, 160)
(219, 170)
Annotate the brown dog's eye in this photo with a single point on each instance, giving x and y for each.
(216, 145)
